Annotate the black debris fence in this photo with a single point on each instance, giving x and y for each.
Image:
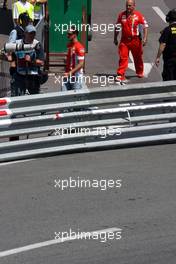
(4, 77)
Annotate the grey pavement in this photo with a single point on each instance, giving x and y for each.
(144, 207)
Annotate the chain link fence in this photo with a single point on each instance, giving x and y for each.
(4, 77)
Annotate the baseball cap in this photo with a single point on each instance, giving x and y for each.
(30, 28)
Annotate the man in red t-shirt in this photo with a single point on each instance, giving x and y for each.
(134, 31)
(73, 76)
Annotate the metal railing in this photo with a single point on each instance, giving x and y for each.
(74, 121)
(40, 27)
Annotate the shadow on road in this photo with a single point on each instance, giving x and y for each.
(114, 75)
(6, 21)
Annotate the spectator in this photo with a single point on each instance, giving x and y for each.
(129, 22)
(75, 62)
(167, 47)
(22, 6)
(28, 65)
(18, 31)
(38, 9)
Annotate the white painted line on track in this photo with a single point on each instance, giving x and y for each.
(53, 242)
(14, 162)
(159, 13)
(131, 57)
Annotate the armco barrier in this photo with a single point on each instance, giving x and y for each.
(74, 121)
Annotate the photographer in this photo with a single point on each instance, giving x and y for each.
(28, 63)
(167, 47)
(17, 33)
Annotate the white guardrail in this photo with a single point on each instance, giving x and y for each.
(76, 121)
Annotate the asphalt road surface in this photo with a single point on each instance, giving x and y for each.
(33, 212)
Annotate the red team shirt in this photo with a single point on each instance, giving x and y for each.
(130, 24)
(75, 54)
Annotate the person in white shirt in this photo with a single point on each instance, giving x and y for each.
(38, 9)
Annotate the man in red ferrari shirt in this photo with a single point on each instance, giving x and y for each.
(73, 76)
(130, 23)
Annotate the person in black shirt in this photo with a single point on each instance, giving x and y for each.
(18, 31)
(167, 47)
(15, 34)
(28, 63)
(5, 6)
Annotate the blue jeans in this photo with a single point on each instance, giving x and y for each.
(72, 83)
